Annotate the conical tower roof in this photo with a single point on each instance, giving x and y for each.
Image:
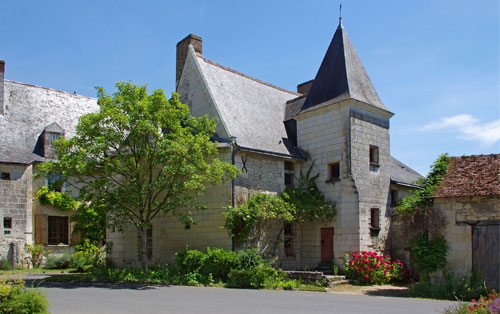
(342, 76)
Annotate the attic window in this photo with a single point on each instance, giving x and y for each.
(374, 156)
(5, 176)
(289, 173)
(53, 136)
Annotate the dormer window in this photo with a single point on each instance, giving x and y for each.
(45, 144)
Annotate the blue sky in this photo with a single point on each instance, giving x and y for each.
(435, 64)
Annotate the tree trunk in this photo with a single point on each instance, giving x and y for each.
(143, 248)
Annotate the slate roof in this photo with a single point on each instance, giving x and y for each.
(30, 110)
(253, 111)
(476, 175)
(341, 76)
(402, 174)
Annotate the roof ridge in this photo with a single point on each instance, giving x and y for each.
(50, 89)
(296, 98)
(247, 76)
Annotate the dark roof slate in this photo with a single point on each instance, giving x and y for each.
(476, 175)
(401, 173)
(342, 76)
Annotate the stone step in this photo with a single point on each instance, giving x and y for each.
(339, 282)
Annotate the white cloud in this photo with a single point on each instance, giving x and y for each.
(469, 128)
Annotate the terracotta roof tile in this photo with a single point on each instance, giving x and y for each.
(471, 176)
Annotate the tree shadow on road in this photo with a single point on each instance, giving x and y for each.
(48, 283)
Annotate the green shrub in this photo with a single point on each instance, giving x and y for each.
(87, 257)
(5, 264)
(219, 263)
(254, 277)
(252, 258)
(429, 255)
(451, 288)
(291, 284)
(58, 261)
(16, 299)
(189, 261)
(35, 254)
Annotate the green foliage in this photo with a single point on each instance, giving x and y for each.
(60, 200)
(57, 261)
(309, 203)
(250, 218)
(251, 258)
(35, 254)
(16, 299)
(5, 264)
(87, 257)
(427, 255)
(486, 304)
(420, 199)
(219, 263)
(189, 261)
(140, 155)
(91, 222)
(160, 274)
(451, 288)
(254, 277)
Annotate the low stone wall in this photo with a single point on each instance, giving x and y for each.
(305, 276)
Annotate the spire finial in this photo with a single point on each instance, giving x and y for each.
(340, 14)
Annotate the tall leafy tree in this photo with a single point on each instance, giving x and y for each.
(140, 155)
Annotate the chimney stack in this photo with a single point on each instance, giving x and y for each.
(2, 83)
(182, 49)
(304, 87)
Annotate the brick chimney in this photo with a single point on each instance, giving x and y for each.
(304, 87)
(2, 82)
(182, 49)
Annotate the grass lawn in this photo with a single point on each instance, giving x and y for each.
(36, 271)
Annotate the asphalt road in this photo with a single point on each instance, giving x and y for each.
(179, 300)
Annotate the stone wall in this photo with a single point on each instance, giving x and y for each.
(372, 182)
(323, 133)
(455, 217)
(15, 203)
(170, 235)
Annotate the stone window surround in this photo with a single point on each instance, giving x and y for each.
(374, 220)
(374, 156)
(333, 174)
(289, 173)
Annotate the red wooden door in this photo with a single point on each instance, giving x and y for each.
(326, 245)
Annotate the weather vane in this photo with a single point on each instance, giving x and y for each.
(340, 14)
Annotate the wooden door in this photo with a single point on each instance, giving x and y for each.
(486, 253)
(326, 245)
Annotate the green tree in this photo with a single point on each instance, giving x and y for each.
(140, 155)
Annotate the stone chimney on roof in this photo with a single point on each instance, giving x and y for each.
(2, 83)
(182, 49)
(304, 87)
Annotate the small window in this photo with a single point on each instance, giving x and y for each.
(394, 198)
(53, 136)
(58, 230)
(149, 243)
(374, 160)
(5, 176)
(289, 173)
(334, 171)
(289, 237)
(54, 182)
(7, 222)
(375, 219)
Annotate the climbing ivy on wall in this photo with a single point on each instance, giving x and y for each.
(59, 200)
(421, 199)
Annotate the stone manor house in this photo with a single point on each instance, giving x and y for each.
(335, 122)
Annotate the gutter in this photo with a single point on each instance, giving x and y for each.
(406, 184)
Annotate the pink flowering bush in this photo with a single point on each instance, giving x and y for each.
(485, 304)
(372, 268)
